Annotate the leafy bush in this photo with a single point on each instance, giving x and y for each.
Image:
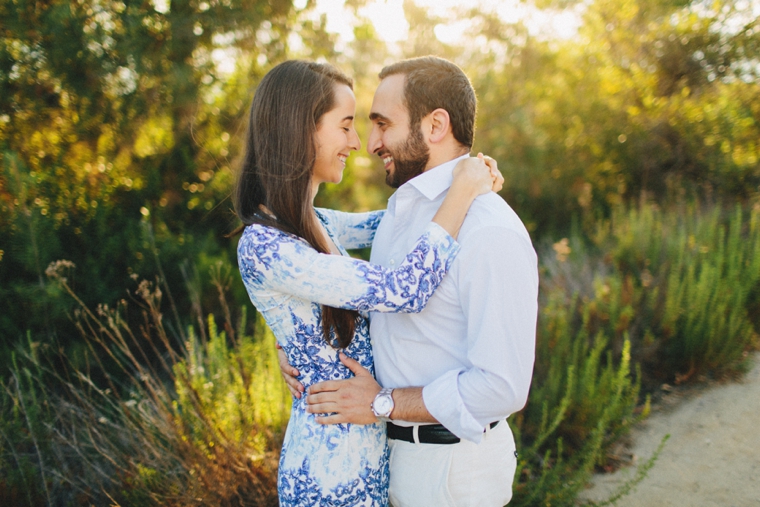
(651, 297)
(691, 278)
(668, 296)
(582, 400)
(199, 427)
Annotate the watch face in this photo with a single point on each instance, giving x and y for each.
(382, 405)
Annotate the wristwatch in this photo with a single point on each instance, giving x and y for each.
(383, 405)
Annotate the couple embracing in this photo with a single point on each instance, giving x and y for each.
(409, 364)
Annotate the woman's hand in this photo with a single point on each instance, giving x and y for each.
(498, 179)
(479, 175)
(473, 176)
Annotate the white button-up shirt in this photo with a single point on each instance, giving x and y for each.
(472, 347)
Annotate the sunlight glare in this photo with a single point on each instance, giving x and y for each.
(161, 6)
(225, 60)
(511, 12)
(453, 32)
(387, 16)
(391, 25)
(339, 19)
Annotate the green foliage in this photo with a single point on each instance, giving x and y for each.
(581, 402)
(671, 291)
(681, 284)
(119, 126)
(650, 98)
(232, 390)
(692, 276)
(199, 428)
(118, 114)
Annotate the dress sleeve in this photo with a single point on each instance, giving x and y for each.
(282, 263)
(353, 230)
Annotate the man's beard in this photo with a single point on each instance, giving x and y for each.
(409, 159)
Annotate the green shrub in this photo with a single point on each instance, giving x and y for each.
(201, 426)
(692, 276)
(653, 296)
(582, 400)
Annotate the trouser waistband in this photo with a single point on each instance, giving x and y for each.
(426, 433)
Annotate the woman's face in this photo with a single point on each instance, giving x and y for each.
(336, 138)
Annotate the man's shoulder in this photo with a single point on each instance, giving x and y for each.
(491, 212)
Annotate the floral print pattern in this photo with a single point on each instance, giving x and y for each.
(288, 281)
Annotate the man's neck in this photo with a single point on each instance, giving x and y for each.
(445, 155)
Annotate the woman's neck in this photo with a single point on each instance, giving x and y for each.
(314, 191)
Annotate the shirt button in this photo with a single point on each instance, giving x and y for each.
(393, 263)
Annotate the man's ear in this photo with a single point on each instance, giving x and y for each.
(438, 125)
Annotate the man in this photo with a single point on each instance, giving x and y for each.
(453, 373)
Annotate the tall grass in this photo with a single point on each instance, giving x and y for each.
(151, 423)
(695, 284)
(650, 297)
(582, 400)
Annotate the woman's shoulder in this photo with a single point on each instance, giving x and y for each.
(263, 242)
(255, 234)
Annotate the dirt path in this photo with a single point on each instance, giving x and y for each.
(712, 458)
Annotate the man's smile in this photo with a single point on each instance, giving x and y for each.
(387, 159)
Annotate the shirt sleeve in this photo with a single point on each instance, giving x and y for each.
(353, 230)
(497, 277)
(274, 261)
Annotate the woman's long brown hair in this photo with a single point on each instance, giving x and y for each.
(279, 158)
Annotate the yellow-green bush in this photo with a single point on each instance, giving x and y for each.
(651, 297)
(201, 426)
(654, 296)
(693, 278)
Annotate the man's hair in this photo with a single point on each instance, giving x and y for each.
(431, 83)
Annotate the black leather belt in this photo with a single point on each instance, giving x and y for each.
(427, 433)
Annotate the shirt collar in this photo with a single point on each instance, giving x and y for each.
(435, 181)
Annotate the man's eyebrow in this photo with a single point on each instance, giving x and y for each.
(377, 116)
(349, 118)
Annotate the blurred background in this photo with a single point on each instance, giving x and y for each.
(628, 133)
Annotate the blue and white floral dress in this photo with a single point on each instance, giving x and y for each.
(287, 280)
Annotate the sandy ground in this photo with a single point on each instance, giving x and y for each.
(712, 458)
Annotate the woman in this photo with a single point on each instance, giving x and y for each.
(296, 270)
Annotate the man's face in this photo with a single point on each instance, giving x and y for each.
(403, 150)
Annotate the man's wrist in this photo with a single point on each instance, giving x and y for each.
(410, 406)
(383, 404)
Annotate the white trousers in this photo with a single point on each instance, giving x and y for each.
(454, 475)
